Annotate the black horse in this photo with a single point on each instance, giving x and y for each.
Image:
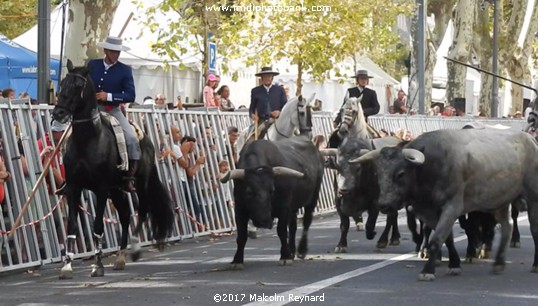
(91, 160)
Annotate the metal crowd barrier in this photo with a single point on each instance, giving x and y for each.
(41, 237)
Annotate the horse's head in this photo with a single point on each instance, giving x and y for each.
(76, 95)
(304, 114)
(353, 120)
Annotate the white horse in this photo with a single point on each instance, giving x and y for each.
(353, 121)
(295, 115)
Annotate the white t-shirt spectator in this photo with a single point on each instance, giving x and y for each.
(178, 154)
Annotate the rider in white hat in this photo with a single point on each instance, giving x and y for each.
(114, 85)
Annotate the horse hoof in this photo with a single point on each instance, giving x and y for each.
(360, 226)
(534, 269)
(381, 245)
(340, 250)
(515, 244)
(237, 266)
(301, 255)
(498, 268)
(285, 262)
(395, 242)
(454, 271)
(98, 272)
(426, 277)
(484, 254)
(135, 256)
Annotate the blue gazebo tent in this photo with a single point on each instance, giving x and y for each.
(18, 68)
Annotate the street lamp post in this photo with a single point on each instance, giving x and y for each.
(495, 67)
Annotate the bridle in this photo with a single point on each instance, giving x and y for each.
(95, 113)
(302, 110)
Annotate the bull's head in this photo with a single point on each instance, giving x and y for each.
(254, 190)
(395, 173)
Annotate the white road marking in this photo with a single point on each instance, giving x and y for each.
(317, 286)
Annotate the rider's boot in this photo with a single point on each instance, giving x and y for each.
(129, 178)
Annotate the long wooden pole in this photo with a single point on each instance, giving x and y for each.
(38, 183)
(256, 125)
(491, 73)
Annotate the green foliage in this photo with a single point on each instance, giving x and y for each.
(316, 41)
(16, 17)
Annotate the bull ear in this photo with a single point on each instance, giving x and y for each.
(236, 174)
(281, 171)
(328, 152)
(70, 66)
(371, 155)
(414, 156)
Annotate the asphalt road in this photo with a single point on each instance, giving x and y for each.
(196, 272)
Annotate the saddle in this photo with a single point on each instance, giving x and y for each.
(263, 127)
(114, 126)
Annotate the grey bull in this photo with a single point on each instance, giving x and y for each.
(447, 173)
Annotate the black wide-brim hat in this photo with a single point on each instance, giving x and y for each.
(362, 73)
(267, 70)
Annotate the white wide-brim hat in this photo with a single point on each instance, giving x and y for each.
(113, 43)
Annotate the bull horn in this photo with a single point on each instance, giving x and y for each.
(366, 157)
(414, 156)
(363, 152)
(232, 175)
(328, 152)
(287, 171)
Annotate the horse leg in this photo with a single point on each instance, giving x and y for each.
(395, 238)
(98, 230)
(73, 197)
(136, 250)
(424, 252)
(122, 206)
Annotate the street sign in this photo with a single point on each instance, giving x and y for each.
(212, 56)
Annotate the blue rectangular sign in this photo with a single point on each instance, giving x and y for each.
(212, 56)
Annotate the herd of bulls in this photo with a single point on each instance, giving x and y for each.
(439, 177)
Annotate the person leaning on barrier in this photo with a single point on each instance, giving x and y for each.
(114, 85)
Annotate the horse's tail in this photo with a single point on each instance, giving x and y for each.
(160, 207)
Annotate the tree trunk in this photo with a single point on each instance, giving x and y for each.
(518, 66)
(89, 22)
(431, 59)
(482, 39)
(299, 78)
(510, 52)
(460, 50)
